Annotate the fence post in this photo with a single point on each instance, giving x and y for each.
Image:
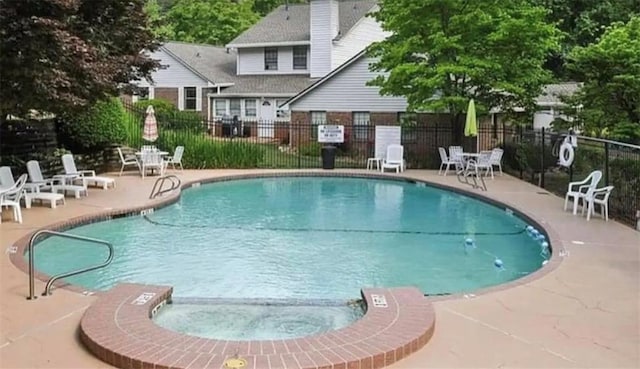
(297, 128)
(542, 167)
(520, 142)
(606, 163)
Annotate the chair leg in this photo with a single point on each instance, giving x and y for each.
(606, 211)
(566, 202)
(121, 169)
(440, 171)
(589, 210)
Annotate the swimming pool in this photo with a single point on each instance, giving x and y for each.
(305, 238)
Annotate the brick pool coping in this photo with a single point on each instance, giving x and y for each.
(118, 329)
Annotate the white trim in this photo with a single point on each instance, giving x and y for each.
(152, 92)
(198, 98)
(257, 95)
(181, 98)
(268, 44)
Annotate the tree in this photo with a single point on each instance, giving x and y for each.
(213, 22)
(264, 7)
(609, 101)
(444, 52)
(583, 22)
(157, 20)
(63, 55)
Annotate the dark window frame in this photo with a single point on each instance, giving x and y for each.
(300, 59)
(270, 58)
(190, 99)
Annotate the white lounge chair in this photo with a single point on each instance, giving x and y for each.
(86, 176)
(10, 197)
(176, 158)
(598, 196)
(483, 162)
(37, 184)
(578, 190)
(394, 158)
(127, 161)
(445, 161)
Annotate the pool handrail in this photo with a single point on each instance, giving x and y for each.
(157, 190)
(47, 289)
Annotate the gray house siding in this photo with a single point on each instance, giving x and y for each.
(323, 29)
(251, 61)
(347, 91)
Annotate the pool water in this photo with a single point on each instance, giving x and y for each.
(255, 322)
(304, 237)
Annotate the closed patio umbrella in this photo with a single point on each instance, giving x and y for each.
(471, 124)
(150, 132)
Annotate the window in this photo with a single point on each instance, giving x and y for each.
(281, 113)
(190, 98)
(317, 118)
(250, 108)
(361, 125)
(234, 108)
(270, 58)
(220, 107)
(409, 123)
(299, 57)
(142, 93)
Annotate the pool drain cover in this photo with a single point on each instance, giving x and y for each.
(235, 363)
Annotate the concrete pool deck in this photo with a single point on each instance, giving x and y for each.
(584, 313)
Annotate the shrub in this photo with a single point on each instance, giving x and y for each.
(100, 126)
(312, 148)
(169, 117)
(202, 152)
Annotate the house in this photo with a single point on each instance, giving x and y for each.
(257, 72)
(550, 103)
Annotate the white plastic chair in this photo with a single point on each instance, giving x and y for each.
(598, 196)
(484, 163)
(6, 178)
(578, 190)
(394, 158)
(86, 176)
(11, 198)
(496, 159)
(445, 161)
(152, 160)
(455, 154)
(176, 158)
(127, 161)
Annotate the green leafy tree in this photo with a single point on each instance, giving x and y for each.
(609, 101)
(63, 55)
(213, 22)
(264, 7)
(444, 52)
(583, 22)
(157, 20)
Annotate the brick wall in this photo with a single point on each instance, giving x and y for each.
(205, 102)
(165, 93)
(384, 119)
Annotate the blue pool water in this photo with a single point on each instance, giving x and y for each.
(304, 238)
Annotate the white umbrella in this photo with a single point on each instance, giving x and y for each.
(150, 126)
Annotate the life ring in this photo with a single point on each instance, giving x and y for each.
(566, 154)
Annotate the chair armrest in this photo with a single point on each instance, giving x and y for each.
(91, 173)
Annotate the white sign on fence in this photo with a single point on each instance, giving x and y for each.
(330, 134)
(385, 136)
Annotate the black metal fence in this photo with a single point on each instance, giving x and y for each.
(532, 155)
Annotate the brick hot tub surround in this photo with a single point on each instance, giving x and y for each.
(118, 329)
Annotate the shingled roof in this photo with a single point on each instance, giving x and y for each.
(213, 63)
(552, 94)
(292, 23)
(268, 85)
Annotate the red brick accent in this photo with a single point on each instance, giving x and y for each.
(117, 329)
(166, 93)
(384, 119)
(205, 103)
(344, 118)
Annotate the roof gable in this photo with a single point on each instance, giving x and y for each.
(291, 24)
(212, 63)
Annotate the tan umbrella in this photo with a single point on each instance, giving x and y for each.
(150, 126)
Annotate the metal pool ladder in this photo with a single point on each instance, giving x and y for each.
(47, 288)
(470, 171)
(157, 189)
